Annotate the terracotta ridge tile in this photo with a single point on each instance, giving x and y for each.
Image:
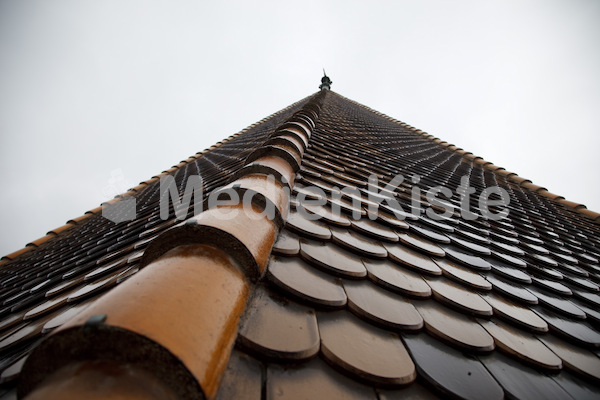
(78, 219)
(531, 186)
(96, 210)
(250, 247)
(145, 333)
(62, 228)
(16, 253)
(257, 249)
(41, 240)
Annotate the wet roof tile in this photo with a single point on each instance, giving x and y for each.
(465, 259)
(358, 243)
(242, 379)
(509, 259)
(429, 234)
(277, 329)
(509, 272)
(521, 345)
(413, 259)
(301, 280)
(574, 329)
(592, 314)
(93, 288)
(46, 307)
(515, 313)
(591, 298)
(22, 334)
(381, 306)
(332, 258)
(462, 274)
(552, 286)
(520, 381)
(392, 221)
(328, 215)
(421, 244)
(364, 351)
(576, 387)
(448, 370)
(375, 230)
(313, 380)
(574, 358)
(397, 278)
(512, 290)
(307, 226)
(437, 225)
(64, 316)
(287, 244)
(453, 327)
(458, 297)
(557, 303)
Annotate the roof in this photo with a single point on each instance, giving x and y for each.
(353, 286)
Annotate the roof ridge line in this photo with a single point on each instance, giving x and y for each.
(205, 251)
(511, 176)
(136, 189)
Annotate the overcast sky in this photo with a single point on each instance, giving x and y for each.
(90, 88)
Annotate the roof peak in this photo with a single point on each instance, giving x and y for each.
(325, 82)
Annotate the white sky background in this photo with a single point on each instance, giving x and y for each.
(89, 87)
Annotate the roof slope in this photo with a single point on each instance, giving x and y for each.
(369, 302)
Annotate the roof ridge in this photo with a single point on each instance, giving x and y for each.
(511, 176)
(138, 188)
(210, 249)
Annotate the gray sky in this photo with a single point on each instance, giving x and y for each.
(91, 87)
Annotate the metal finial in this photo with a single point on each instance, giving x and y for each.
(325, 82)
